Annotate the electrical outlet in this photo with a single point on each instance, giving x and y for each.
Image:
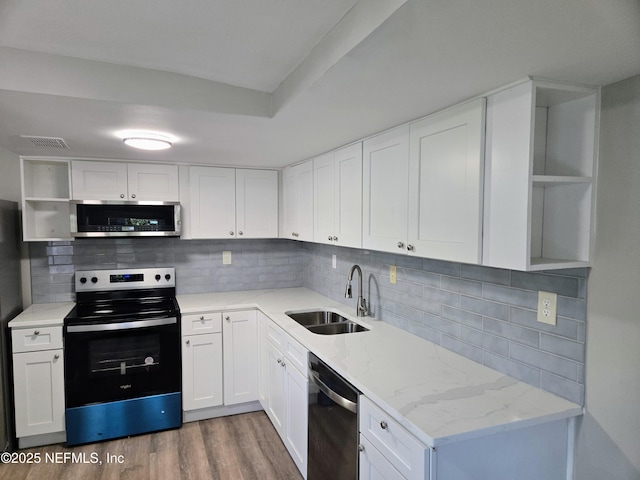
(334, 261)
(547, 307)
(226, 257)
(392, 274)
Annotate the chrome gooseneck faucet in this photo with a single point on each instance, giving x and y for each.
(362, 303)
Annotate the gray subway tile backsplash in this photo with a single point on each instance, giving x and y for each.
(486, 314)
(483, 313)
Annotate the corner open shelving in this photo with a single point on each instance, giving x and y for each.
(45, 199)
(540, 176)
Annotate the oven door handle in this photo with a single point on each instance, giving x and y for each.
(339, 399)
(105, 327)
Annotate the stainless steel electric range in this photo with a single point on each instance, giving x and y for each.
(122, 355)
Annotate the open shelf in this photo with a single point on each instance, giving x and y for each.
(46, 220)
(45, 199)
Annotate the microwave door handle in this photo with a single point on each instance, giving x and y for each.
(339, 399)
(104, 327)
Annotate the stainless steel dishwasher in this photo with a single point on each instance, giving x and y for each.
(333, 424)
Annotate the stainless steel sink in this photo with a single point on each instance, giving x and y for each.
(325, 322)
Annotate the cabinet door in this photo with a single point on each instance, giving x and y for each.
(445, 186)
(385, 184)
(296, 424)
(153, 182)
(98, 180)
(276, 391)
(324, 198)
(373, 466)
(348, 196)
(298, 202)
(257, 203)
(213, 199)
(201, 371)
(263, 363)
(39, 392)
(240, 346)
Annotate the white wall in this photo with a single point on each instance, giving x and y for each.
(608, 443)
(9, 175)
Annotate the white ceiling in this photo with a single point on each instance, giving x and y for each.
(271, 82)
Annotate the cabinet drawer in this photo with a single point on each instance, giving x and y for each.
(397, 445)
(36, 338)
(208, 322)
(296, 354)
(276, 336)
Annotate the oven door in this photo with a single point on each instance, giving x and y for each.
(107, 362)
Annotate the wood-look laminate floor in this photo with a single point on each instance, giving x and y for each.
(229, 448)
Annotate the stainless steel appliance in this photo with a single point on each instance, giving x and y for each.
(122, 355)
(333, 424)
(96, 218)
(10, 306)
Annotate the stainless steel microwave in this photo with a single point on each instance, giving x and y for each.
(98, 218)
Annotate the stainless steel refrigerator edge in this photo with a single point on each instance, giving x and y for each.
(10, 306)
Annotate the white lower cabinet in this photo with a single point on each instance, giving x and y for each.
(219, 359)
(373, 465)
(389, 451)
(202, 371)
(286, 390)
(38, 374)
(201, 361)
(240, 347)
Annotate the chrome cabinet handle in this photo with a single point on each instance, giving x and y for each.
(361, 448)
(240, 232)
(329, 238)
(56, 356)
(283, 364)
(188, 341)
(202, 318)
(231, 233)
(335, 239)
(383, 425)
(400, 245)
(133, 195)
(122, 195)
(410, 248)
(279, 360)
(37, 332)
(227, 318)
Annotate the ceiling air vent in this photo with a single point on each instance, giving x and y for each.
(46, 142)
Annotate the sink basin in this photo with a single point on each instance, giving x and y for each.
(336, 328)
(325, 322)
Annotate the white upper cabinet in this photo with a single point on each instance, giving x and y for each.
(338, 197)
(257, 203)
(153, 182)
(540, 166)
(230, 203)
(445, 184)
(385, 185)
(297, 193)
(212, 205)
(121, 181)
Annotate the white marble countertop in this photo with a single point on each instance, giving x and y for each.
(439, 396)
(42, 315)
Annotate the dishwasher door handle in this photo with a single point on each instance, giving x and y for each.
(339, 399)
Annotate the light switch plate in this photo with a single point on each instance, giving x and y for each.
(547, 307)
(226, 257)
(334, 261)
(392, 274)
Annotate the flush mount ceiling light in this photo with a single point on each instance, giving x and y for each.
(147, 141)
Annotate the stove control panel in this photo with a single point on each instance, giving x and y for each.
(124, 279)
